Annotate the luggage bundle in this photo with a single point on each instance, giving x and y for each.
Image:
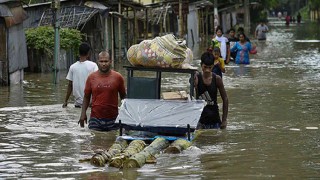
(165, 51)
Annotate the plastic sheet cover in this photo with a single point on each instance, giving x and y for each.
(160, 113)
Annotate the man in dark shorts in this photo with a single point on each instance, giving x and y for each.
(207, 85)
(104, 86)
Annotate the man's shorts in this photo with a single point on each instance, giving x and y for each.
(102, 124)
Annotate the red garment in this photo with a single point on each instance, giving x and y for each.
(287, 19)
(104, 89)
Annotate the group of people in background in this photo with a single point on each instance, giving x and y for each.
(288, 18)
(235, 47)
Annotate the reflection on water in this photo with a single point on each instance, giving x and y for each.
(273, 129)
(36, 89)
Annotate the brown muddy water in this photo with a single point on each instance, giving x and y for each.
(273, 130)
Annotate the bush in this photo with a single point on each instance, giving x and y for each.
(42, 38)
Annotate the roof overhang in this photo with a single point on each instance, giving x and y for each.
(40, 4)
(126, 3)
(202, 4)
(13, 15)
(6, 1)
(5, 11)
(70, 16)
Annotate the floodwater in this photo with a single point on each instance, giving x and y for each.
(273, 130)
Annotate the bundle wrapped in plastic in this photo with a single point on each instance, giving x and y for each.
(165, 51)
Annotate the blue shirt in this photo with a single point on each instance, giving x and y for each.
(242, 52)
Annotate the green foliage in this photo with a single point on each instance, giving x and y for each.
(42, 38)
(269, 3)
(304, 12)
(314, 4)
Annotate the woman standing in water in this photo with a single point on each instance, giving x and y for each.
(242, 47)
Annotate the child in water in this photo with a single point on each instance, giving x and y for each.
(219, 66)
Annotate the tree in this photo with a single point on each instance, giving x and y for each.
(314, 4)
(42, 38)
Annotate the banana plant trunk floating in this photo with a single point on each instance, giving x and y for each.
(100, 159)
(139, 159)
(137, 153)
(134, 147)
(177, 146)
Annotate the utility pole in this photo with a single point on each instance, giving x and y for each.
(106, 34)
(120, 32)
(207, 25)
(215, 15)
(246, 16)
(180, 20)
(215, 5)
(56, 13)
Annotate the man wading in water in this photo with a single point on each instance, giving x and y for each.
(104, 86)
(207, 83)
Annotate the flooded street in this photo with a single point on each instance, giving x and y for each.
(273, 123)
